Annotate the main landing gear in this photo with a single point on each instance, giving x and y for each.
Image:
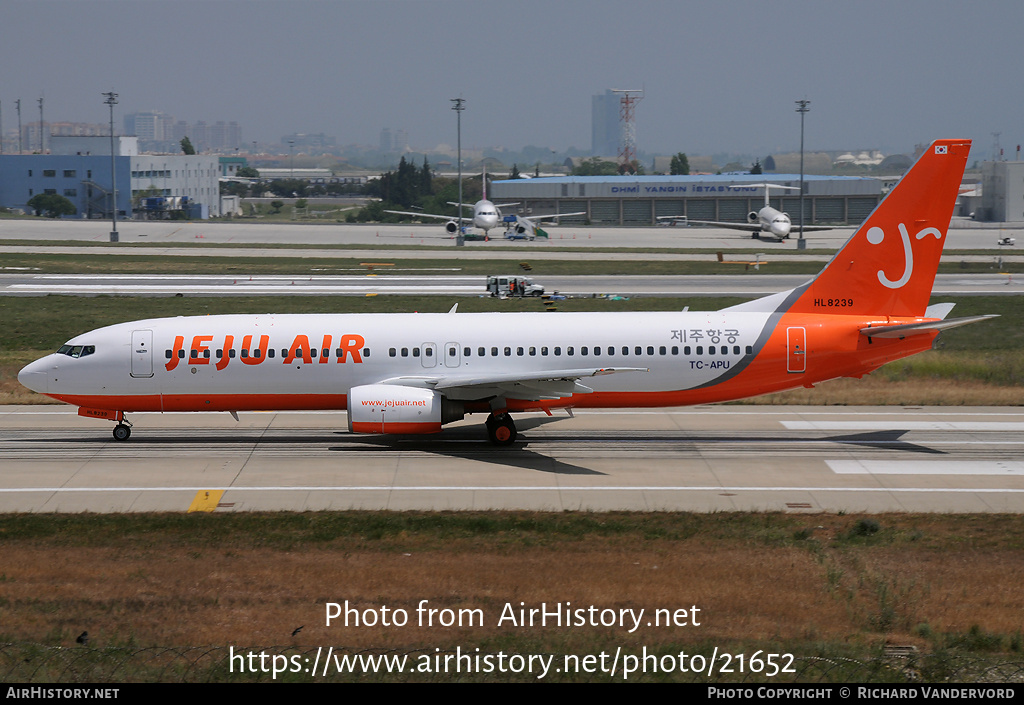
(501, 429)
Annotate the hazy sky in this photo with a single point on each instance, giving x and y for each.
(720, 75)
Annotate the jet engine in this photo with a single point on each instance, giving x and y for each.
(452, 227)
(390, 408)
(752, 217)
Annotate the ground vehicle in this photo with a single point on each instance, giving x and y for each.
(513, 285)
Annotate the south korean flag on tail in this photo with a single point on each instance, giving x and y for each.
(941, 149)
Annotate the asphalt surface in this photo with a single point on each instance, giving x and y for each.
(720, 458)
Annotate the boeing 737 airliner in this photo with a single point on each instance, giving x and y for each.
(413, 373)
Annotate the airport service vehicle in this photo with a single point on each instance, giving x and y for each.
(767, 223)
(503, 286)
(413, 373)
(1006, 241)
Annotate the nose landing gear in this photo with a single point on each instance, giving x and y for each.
(123, 430)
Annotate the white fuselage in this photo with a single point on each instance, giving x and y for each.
(236, 362)
(485, 215)
(774, 222)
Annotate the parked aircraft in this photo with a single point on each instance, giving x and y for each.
(413, 373)
(766, 223)
(487, 215)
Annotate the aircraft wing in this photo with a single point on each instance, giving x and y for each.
(753, 227)
(748, 227)
(551, 216)
(425, 215)
(550, 384)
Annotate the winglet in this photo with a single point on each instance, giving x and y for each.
(888, 266)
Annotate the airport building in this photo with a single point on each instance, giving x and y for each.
(1002, 192)
(643, 200)
(79, 170)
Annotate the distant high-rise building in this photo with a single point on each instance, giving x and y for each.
(149, 125)
(387, 142)
(605, 131)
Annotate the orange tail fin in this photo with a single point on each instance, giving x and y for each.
(888, 267)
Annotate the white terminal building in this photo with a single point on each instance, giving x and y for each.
(78, 168)
(643, 200)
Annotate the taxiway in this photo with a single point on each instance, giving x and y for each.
(720, 458)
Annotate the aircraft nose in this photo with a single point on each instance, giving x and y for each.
(34, 376)
(780, 229)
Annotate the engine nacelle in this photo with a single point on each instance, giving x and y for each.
(389, 408)
(753, 217)
(452, 227)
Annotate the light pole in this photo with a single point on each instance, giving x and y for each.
(112, 101)
(291, 154)
(458, 106)
(801, 244)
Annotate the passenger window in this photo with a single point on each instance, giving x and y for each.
(638, 350)
(494, 352)
(544, 351)
(392, 352)
(570, 351)
(256, 352)
(558, 352)
(245, 352)
(508, 352)
(467, 351)
(429, 352)
(167, 354)
(533, 352)
(405, 352)
(686, 350)
(219, 353)
(735, 349)
(366, 352)
(206, 354)
(675, 349)
(270, 353)
(181, 354)
(231, 353)
(650, 349)
(625, 350)
(750, 349)
(481, 352)
(519, 352)
(662, 350)
(700, 349)
(583, 350)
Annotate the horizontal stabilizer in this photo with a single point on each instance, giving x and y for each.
(908, 329)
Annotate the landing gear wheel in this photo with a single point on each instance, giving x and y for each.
(501, 429)
(122, 432)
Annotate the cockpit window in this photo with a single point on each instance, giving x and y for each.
(76, 350)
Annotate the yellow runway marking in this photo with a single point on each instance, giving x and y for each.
(206, 501)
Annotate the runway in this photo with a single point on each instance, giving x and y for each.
(450, 283)
(716, 458)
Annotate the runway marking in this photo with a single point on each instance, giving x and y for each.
(520, 488)
(206, 501)
(1002, 426)
(926, 467)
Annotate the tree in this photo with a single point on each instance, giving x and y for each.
(514, 174)
(595, 166)
(186, 145)
(53, 204)
(756, 168)
(277, 206)
(680, 165)
(247, 172)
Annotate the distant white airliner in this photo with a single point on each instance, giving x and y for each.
(767, 222)
(415, 372)
(487, 215)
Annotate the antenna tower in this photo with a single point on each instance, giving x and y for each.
(627, 119)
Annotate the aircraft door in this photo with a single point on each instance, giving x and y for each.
(142, 353)
(428, 356)
(452, 355)
(796, 346)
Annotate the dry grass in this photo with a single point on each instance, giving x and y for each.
(798, 580)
